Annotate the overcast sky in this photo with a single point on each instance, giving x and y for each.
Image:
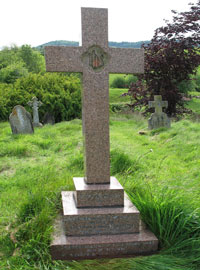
(35, 22)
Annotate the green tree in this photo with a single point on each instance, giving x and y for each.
(9, 56)
(33, 60)
(13, 72)
(171, 58)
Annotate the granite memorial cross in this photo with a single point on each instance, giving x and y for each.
(98, 218)
(159, 118)
(95, 60)
(35, 104)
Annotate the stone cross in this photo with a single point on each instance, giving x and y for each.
(158, 118)
(35, 104)
(98, 219)
(95, 60)
(158, 104)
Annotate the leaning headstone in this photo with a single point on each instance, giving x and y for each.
(35, 104)
(158, 118)
(98, 218)
(48, 118)
(20, 121)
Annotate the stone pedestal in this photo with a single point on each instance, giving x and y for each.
(99, 221)
(159, 120)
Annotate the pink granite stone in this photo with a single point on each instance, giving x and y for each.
(100, 246)
(94, 225)
(103, 220)
(95, 60)
(98, 195)
(96, 127)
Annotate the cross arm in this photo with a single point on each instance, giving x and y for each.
(124, 60)
(30, 103)
(165, 104)
(151, 104)
(40, 103)
(63, 59)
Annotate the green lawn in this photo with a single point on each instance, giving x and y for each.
(194, 103)
(115, 95)
(159, 171)
(116, 100)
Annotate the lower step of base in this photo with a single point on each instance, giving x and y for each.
(100, 246)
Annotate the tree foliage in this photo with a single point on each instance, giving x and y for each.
(17, 62)
(59, 93)
(124, 81)
(171, 58)
(33, 60)
(22, 76)
(12, 72)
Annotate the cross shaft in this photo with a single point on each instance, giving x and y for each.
(95, 60)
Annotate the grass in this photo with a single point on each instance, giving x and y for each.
(115, 95)
(194, 105)
(159, 171)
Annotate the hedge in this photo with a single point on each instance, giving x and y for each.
(60, 94)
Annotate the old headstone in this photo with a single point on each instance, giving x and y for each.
(98, 218)
(35, 104)
(20, 121)
(48, 118)
(158, 118)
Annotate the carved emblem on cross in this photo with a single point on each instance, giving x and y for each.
(95, 57)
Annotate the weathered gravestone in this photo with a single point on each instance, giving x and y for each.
(48, 118)
(20, 121)
(159, 118)
(98, 218)
(35, 104)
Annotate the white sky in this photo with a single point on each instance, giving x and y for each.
(35, 22)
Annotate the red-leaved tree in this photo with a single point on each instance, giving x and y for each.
(170, 58)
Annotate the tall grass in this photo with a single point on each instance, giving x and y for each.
(159, 171)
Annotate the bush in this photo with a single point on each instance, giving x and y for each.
(12, 72)
(130, 79)
(118, 82)
(123, 81)
(197, 80)
(117, 107)
(60, 94)
(186, 86)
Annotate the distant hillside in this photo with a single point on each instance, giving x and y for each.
(123, 44)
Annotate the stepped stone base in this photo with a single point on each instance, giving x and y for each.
(96, 221)
(100, 246)
(98, 195)
(99, 221)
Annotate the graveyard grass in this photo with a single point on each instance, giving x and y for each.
(159, 170)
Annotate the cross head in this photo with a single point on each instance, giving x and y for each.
(35, 104)
(158, 104)
(95, 60)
